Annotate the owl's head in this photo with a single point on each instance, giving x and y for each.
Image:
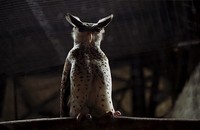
(87, 33)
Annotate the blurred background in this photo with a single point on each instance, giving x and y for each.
(153, 48)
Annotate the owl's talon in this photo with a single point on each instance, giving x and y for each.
(88, 116)
(117, 113)
(81, 116)
(112, 115)
(109, 114)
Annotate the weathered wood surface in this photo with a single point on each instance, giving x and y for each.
(122, 123)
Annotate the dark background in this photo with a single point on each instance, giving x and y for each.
(153, 47)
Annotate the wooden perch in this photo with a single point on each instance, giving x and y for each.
(121, 123)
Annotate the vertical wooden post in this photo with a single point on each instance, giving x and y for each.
(15, 97)
(2, 91)
(154, 90)
(138, 88)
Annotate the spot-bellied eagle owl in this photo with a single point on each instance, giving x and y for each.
(87, 68)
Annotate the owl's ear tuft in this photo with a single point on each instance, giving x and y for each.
(74, 20)
(102, 23)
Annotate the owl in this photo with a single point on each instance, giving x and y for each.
(87, 68)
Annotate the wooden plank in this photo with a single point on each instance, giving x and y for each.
(121, 123)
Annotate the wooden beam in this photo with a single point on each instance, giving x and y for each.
(121, 123)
